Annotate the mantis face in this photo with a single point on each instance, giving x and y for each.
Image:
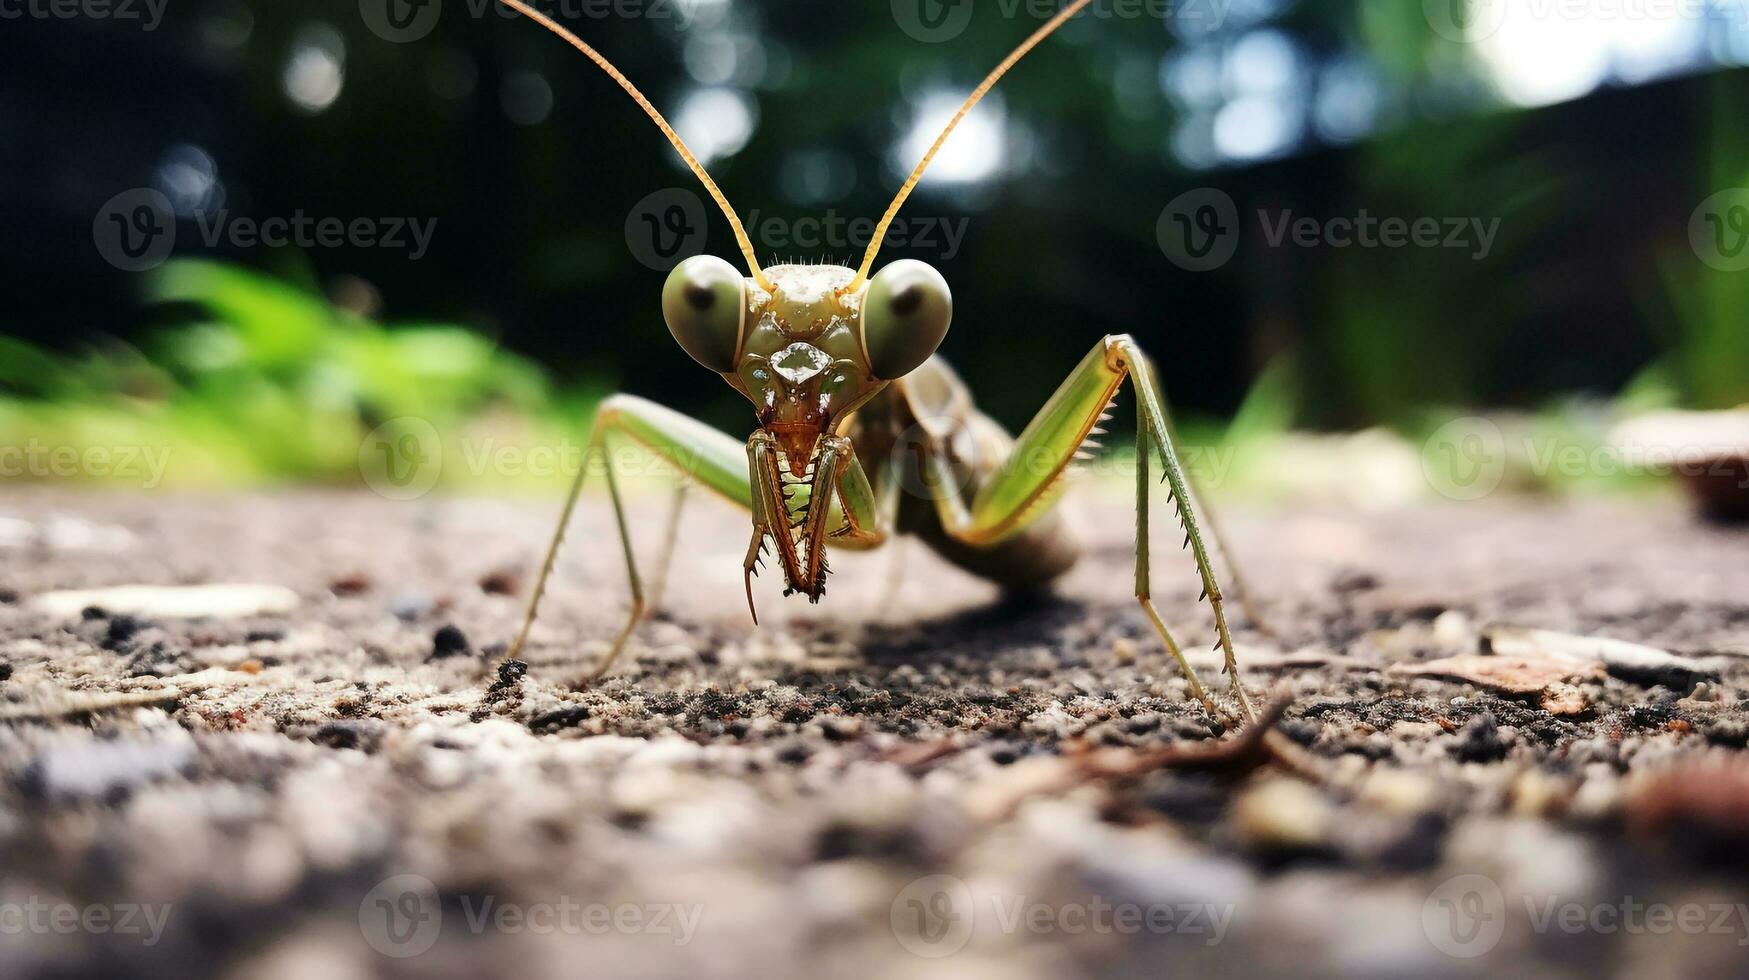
(807, 345)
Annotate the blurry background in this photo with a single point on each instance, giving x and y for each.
(1592, 133)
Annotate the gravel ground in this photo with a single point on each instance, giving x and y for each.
(343, 781)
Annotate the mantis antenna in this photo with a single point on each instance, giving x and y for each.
(662, 124)
(989, 82)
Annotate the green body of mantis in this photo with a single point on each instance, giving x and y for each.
(841, 370)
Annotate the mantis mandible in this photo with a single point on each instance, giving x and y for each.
(839, 365)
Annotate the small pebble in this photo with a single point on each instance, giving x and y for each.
(501, 582)
(351, 584)
(449, 642)
(409, 606)
(1282, 814)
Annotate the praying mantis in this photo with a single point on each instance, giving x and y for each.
(840, 365)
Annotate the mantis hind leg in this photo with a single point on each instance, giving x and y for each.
(692, 449)
(1030, 478)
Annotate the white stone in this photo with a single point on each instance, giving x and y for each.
(173, 601)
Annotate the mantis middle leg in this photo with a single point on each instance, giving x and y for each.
(694, 450)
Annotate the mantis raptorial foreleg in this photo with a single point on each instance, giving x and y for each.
(691, 448)
(699, 453)
(1023, 487)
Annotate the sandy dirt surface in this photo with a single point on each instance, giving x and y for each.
(920, 783)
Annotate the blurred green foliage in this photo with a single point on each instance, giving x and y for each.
(1702, 313)
(266, 381)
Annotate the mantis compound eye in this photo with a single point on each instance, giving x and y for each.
(704, 302)
(904, 317)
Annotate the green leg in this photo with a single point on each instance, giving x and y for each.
(692, 448)
(670, 538)
(1026, 484)
(1199, 501)
(705, 456)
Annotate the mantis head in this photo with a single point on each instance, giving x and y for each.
(807, 347)
(808, 350)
